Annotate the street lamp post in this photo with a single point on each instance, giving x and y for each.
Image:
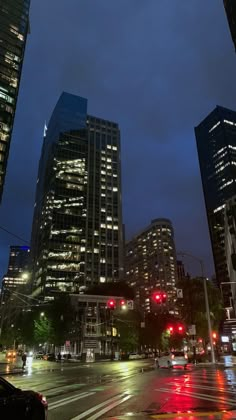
(213, 360)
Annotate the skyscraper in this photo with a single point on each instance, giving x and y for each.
(150, 262)
(230, 8)
(77, 226)
(14, 24)
(18, 266)
(216, 144)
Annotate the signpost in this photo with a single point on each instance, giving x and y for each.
(179, 293)
(130, 304)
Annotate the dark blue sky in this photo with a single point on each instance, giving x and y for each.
(157, 67)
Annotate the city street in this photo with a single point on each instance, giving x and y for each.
(132, 389)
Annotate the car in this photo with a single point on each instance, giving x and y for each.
(11, 355)
(18, 404)
(39, 355)
(171, 359)
(50, 357)
(135, 356)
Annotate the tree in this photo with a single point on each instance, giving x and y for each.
(192, 307)
(128, 325)
(156, 324)
(62, 318)
(43, 331)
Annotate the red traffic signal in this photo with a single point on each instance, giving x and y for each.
(123, 304)
(157, 297)
(111, 304)
(170, 329)
(164, 297)
(180, 329)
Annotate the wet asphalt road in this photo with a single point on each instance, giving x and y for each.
(109, 390)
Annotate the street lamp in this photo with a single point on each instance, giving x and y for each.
(42, 314)
(213, 360)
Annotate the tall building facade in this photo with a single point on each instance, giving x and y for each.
(77, 227)
(17, 273)
(230, 9)
(14, 25)
(150, 263)
(216, 144)
(230, 248)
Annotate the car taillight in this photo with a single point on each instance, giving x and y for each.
(172, 356)
(185, 356)
(41, 398)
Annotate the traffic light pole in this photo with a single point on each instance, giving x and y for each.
(112, 353)
(213, 360)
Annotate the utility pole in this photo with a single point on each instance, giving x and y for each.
(213, 360)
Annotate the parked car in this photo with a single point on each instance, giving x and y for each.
(171, 359)
(135, 356)
(18, 404)
(50, 357)
(39, 355)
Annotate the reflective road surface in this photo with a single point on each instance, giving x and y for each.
(134, 390)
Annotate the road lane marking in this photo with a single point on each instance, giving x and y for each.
(199, 396)
(188, 415)
(192, 385)
(91, 410)
(68, 400)
(109, 408)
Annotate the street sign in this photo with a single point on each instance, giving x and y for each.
(192, 329)
(130, 304)
(179, 293)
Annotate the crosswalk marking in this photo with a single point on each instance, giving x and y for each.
(198, 396)
(68, 400)
(215, 384)
(113, 402)
(193, 385)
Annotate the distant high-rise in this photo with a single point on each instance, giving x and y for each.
(181, 275)
(216, 144)
(14, 24)
(77, 226)
(150, 262)
(17, 273)
(230, 8)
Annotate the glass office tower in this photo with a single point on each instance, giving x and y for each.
(230, 9)
(216, 144)
(17, 273)
(14, 24)
(77, 226)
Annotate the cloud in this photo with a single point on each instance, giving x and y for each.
(158, 68)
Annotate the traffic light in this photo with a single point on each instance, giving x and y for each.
(180, 329)
(214, 335)
(170, 329)
(164, 297)
(123, 304)
(157, 297)
(111, 304)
